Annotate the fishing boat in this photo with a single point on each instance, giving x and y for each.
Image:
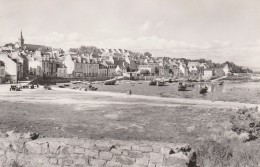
(182, 87)
(93, 88)
(152, 82)
(204, 90)
(220, 82)
(160, 83)
(66, 84)
(110, 82)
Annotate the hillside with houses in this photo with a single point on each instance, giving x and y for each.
(19, 61)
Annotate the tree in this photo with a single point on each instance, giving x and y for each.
(145, 72)
(156, 70)
(128, 69)
(149, 55)
(10, 44)
(76, 50)
(89, 50)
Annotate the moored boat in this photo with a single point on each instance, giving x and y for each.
(221, 82)
(204, 90)
(182, 87)
(152, 82)
(160, 83)
(110, 82)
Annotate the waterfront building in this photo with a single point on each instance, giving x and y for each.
(111, 69)
(35, 64)
(91, 69)
(183, 70)
(62, 71)
(103, 69)
(85, 67)
(208, 73)
(2, 72)
(226, 69)
(69, 62)
(19, 67)
(193, 67)
(22, 58)
(49, 64)
(149, 67)
(11, 69)
(78, 69)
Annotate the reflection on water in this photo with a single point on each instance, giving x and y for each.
(229, 91)
(230, 86)
(212, 87)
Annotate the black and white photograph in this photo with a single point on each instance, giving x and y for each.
(129, 83)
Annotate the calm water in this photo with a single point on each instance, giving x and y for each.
(230, 91)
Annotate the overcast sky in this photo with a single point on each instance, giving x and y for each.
(212, 29)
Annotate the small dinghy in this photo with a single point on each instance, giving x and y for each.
(152, 82)
(182, 87)
(220, 82)
(110, 82)
(204, 90)
(160, 83)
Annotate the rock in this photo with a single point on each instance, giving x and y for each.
(14, 134)
(31, 135)
(178, 159)
(56, 128)
(3, 135)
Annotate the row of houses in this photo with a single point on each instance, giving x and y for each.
(20, 60)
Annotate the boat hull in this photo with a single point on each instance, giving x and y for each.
(203, 90)
(182, 88)
(220, 83)
(110, 82)
(152, 83)
(160, 83)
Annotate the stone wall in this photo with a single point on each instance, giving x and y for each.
(51, 152)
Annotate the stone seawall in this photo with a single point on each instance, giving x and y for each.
(63, 152)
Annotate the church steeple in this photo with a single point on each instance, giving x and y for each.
(21, 40)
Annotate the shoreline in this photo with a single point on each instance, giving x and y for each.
(219, 104)
(146, 98)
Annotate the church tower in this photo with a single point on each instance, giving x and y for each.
(21, 40)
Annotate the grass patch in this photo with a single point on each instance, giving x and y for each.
(232, 144)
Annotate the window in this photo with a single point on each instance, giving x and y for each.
(2, 71)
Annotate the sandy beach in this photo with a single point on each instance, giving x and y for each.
(64, 112)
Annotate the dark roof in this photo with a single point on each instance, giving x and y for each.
(23, 56)
(16, 60)
(32, 47)
(109, 63)
(96, 56)
(2, 63)
(60, 65)
(208, 69)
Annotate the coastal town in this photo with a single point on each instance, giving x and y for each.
(21, 61)
(129, 83)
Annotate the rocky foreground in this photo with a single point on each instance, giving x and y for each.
(20, 150)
